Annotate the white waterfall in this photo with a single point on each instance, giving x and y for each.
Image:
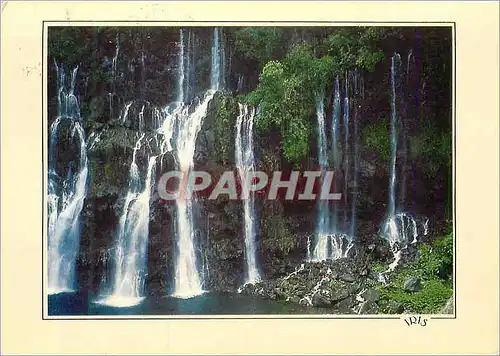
(390, 230)
(217, 70)
(395, 61)
(130, 250)
(403, 229)
(181, 69)
(114, 63)
(329, 241)
(66, 195)
(400, 228)
(245, 163)
(188, 282)
(187, 122)
(320, 250)
(336, 149)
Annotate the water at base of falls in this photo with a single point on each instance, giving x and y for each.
(330, 246)
(210, 303)
(401, 230)
(118, 301)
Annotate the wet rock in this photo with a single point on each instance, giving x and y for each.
(321, 300)
(364, 272)
(412, 284)
(224, 249)
(394, 307)
(347, 277)
(339, 295)
(354, 288)
(99, 109)
(369, 307)
(346, 305)
(382, 251)
(366, 168)
(294, 299)
(247, 289)
(371, 295)
(306, 301)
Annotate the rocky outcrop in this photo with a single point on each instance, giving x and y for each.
(340, 286)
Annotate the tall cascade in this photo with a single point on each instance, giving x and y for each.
(130, 251)
(66, 193)
(217, 73)
(320, 251)
(188, 282)
(114, 74)
(336, 147)
(333, 240)
(395, 65)
(245, 163)
(187, 122)
(181, 69)
(400, 228)
(126, 283)
(185, 66)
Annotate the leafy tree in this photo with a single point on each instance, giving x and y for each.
(286, 96)
(355, 47)
(289, 88)
(260, 44)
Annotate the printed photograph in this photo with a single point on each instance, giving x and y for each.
(225, 171)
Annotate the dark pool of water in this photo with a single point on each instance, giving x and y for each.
(78, 304)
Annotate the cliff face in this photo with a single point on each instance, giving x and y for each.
(140, 85)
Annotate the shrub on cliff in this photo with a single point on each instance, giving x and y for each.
(376, 138)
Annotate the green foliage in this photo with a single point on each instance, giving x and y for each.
(437, 260)
(429, 300)
(444, 249)
(225, 120)
(434, 267)
(378, 268)
(287, 93)
(377, 138)
(428, 143)
(355, 47)
(107, 170)
(99, 75)
(433, 145)
(289, 89)
(258, 43)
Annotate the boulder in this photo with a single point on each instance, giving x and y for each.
(413, 284)
(369, 307)
(371, 295)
